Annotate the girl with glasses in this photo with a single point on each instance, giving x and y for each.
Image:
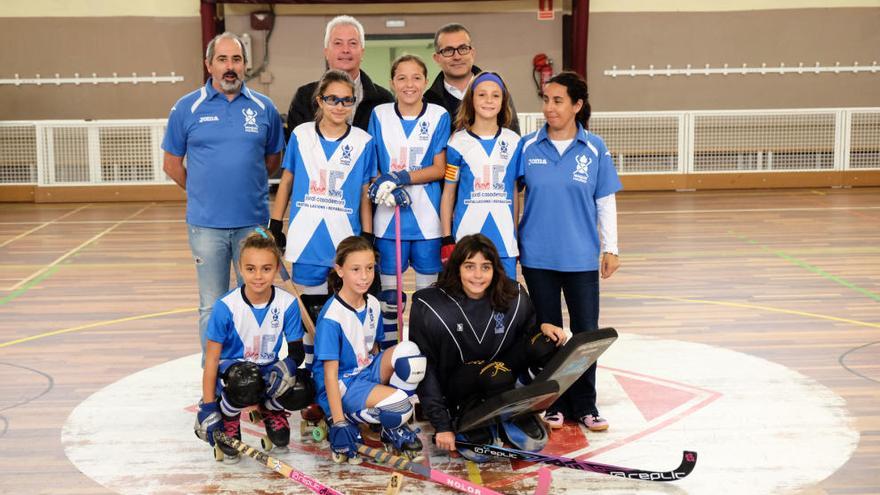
(327, 169)
(410, 137)
(481, 172)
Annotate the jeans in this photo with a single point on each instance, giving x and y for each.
(581, 291)
(214, 250)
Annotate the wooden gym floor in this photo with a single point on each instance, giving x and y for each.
(94, 293)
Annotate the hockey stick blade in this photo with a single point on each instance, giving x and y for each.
(439, 477)
(276, 465)
(688, 461)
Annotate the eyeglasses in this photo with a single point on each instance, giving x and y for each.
(334, 100)
(450, 51)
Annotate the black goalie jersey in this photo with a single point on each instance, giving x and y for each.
(453, 330)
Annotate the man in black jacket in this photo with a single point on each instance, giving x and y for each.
(343, 50)
(455, 56)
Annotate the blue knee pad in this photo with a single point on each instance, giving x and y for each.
(388, 304)
(409, 367)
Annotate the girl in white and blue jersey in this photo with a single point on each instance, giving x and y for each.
(247, 328)
(410, 136)
(327, 168)
(355, 381)
(481, 172)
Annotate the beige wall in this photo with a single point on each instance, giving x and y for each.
(105, 45)
(844, 35)
(621, 33)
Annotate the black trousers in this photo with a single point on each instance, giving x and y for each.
(581, 291)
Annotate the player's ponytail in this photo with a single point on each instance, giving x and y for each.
(348, 245)
(576, 88)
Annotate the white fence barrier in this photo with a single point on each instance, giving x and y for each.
(54, 153)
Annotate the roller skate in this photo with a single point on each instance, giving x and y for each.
(403, 441)
(232, 428)
(342, 458)
(277, 428)
(313, 423)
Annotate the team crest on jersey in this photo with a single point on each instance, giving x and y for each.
(424, 131)
(499, 323)
(346, 155)
(581, 172)
(276, 317)
(502, 149)
(250, 120)
(459, 327)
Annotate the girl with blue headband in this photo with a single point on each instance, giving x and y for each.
(481, 172)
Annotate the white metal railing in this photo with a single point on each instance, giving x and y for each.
(736, 140)
(65, 152)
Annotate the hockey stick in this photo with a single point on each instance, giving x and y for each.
(688, 461)
(448, 480)
(306, 319)
(400, 335)
(275, 465)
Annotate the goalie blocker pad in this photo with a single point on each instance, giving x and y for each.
(569, 363)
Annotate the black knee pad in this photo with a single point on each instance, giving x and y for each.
(243, 384)
(314, 303)
(301, 394)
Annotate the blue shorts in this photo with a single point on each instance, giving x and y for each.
(424, 255)
(356, 389)
(310, 275)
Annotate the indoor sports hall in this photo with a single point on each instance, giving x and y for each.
(746, 135)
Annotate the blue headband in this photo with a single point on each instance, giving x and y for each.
(262, 232)
(488, 76)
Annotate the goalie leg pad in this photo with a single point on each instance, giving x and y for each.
(525, 433)
(484, 436)
(409, 367)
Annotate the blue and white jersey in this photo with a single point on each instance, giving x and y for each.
(558, 230)
(225, 144)
(346, 335)
(254, 334)
(328, 178)
(486, 171)
(403, 144)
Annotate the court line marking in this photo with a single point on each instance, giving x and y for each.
(74, 250)
(619, 212)
(95, 325)
(44, 224)
(741, 305)
(806, 266)
(14, 294)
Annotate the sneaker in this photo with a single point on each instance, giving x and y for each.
(555, 420)
(594, 422)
